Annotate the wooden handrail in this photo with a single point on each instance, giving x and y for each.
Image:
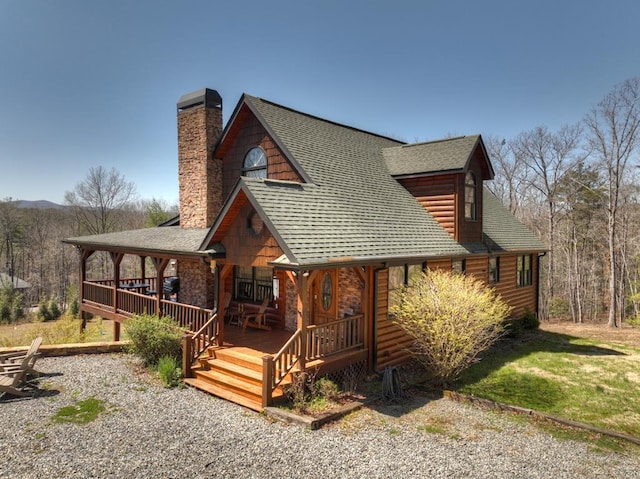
(334, 337)
(195, 344)
(276, 367)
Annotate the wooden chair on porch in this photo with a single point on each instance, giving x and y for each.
(258, 319)
(233, 316)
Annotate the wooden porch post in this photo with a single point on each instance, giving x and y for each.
(303, 311)
(143, 267)
(116, 259)
(223, 271)
(84, 255)
(160, 264)
(364, 273)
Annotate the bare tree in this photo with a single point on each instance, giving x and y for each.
(99, 200)
(510, 174)
(549, 156)
(613, 128)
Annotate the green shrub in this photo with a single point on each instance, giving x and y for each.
(326, 388)
(530, 320)
(74, 304)
(452, 318)
(54, 309)
(11, 304)
(153, 337)
(169, 371)
(633, 321)
(513, 328)
(48, 309)
(558, 307)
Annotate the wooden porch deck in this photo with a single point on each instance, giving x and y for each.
(235, 370)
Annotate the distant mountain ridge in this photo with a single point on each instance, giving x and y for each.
(40, 205)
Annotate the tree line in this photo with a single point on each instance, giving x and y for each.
(577, 188)
(31, 245)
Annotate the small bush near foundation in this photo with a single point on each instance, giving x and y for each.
(169, 371)
(452, 319)
(310, 394)
(153, 337)
(530, 320)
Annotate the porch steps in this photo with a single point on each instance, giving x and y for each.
(232, 374)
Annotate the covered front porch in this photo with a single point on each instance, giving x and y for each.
(249, 365)
(247, 328)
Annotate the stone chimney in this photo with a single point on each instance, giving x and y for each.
(199, 174)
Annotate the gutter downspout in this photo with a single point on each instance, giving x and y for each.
(374, 320)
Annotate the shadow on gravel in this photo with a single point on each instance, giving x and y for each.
(414, 399)
(34, 394)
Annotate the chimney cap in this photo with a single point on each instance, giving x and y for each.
(205, 97)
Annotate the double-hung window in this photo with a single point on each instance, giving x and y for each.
(524, 273)
(494, 269)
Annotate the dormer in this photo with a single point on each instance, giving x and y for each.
(446, 177)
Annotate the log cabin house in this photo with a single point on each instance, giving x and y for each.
(296, 229)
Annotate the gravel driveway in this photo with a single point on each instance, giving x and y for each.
(148, 431)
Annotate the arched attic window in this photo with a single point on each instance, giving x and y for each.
(255, 163)
(470, 196)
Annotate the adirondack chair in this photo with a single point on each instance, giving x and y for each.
(13, 378)
(16, 358)
(258, 319)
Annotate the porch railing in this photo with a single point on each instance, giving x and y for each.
(193, 345)
(275, 368)
(335, 337)
(130, 303)
(97, 293)
(191, 318)
(322, 340)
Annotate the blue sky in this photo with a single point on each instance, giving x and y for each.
(87, 83)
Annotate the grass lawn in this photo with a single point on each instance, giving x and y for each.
(60, 331)
(580, 379)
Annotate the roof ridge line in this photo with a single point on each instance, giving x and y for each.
(441, 140)
(315, 117)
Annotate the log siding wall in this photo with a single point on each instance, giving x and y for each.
(244, 247)
(437, 194)
(392, 342)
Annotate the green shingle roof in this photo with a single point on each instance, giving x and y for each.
(503, 231)
(451, 154)
(353, 208)
(168, 240)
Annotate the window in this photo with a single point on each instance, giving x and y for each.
(470, 196)
(458, 266)
(494, 269)
(403, 275)
(524, 273)
(255, 163)
(327, 291)
(253, 284)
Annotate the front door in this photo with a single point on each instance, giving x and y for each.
(324, 297)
